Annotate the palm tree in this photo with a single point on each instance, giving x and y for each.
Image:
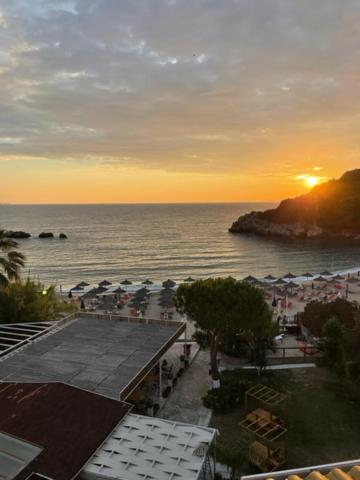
(10, 259)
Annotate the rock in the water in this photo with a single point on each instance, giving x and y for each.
(17, 234)
(62, 235)
(46, 235)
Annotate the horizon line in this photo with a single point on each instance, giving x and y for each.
(139, 203)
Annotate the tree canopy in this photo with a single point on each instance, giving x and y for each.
(224, 307)
(316, 314)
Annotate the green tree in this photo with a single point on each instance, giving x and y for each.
(11, 260)
(29, 301)
(224, 307)
(316, 314)
(333, 347)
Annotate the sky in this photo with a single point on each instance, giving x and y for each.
(106, 101)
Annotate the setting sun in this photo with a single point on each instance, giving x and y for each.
(311, 181)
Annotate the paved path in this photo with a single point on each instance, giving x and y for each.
(184, 404)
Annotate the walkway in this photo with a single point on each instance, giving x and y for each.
(184, 404)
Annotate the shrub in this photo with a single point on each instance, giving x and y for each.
(30, 301)
(229, 395)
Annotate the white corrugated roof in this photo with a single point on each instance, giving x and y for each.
(148, 448)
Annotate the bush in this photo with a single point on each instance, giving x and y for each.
(30, 301)
(229, 395)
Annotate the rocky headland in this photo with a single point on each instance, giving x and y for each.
(329, 210)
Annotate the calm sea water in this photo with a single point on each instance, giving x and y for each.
(160, 241)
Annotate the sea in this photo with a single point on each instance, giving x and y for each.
(160, 241)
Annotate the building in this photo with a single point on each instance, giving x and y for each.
(63, 413)
(52, 429)
(106, 356)
(59, 432)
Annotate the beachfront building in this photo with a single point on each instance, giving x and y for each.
(110, 356)
(53, 431)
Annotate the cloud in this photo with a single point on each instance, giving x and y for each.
(148, 82)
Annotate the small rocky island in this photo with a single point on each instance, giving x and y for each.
(20, 234)
(17, 234)
(331, 209)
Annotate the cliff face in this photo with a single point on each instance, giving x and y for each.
(330, 209)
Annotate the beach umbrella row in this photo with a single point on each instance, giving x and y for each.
(106, 283)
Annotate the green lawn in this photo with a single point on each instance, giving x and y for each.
(324, 426)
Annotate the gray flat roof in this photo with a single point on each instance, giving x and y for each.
(108, 357)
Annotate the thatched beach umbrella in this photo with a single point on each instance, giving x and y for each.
(189, 279)
(168, 283)
(250, 279)
(280, 281)
(326, 273)
(270, 278)
(141, 292)
(289, 276)
(292, 285)
(307, 275)
(338, 277)
(83, 284)
(78, 287)
(90, 294)
(119, 291)
(320, 278)
(104, 283)
(126, 282)
(147, 282)
(167, 292)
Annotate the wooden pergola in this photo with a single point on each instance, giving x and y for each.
(266, 395)
(268, 449)
(263, 425)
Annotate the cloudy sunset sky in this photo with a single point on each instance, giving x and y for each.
(176, 100)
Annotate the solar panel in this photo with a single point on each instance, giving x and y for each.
(15, 455)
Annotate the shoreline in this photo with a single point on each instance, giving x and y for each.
(157, 285)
